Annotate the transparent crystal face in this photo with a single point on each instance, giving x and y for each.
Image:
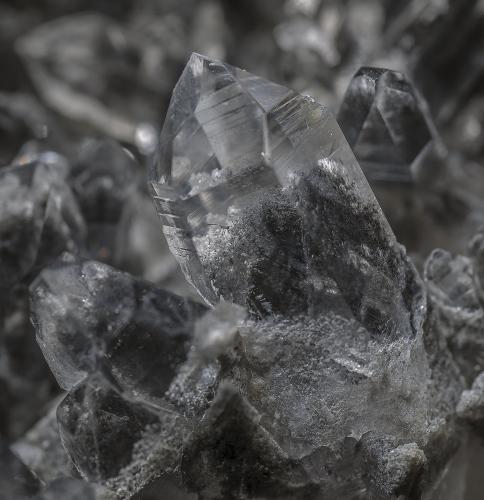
(386, 124)
(251, 182)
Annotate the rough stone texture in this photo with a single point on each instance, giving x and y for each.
(457, 307)
(73, 489)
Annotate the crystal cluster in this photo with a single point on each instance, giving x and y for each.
(310, 326)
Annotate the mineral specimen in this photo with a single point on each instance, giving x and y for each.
(327, 388)
(322, 365)
(90, 317)
(385, 124)
(16, 481)
(253, 174)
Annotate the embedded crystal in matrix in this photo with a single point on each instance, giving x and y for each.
(264, 204)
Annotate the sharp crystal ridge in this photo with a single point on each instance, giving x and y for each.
(264, 204)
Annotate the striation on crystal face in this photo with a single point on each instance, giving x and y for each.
(253, 176)
(385, 122)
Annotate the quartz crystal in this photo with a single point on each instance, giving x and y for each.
(252, 174)
(130, 356)
(317, 369)
(91, 317)
(264, 204)
(16, 480)
(39, 218)
(104, 179)
(385, 123)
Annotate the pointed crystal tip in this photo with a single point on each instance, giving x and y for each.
(386, 123)
(263, 202)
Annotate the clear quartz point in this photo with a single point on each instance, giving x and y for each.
(254, 185)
